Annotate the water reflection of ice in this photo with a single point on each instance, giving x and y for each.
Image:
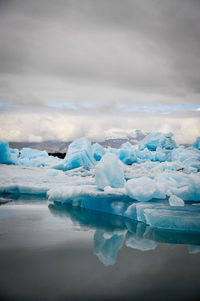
(112, 231)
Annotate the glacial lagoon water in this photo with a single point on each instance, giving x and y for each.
(57, 252)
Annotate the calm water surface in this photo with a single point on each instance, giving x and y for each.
(49, 252)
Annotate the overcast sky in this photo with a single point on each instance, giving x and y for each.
(97, 68)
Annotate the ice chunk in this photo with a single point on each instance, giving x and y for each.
(42, 161)
(186, 187)
(127, 153)
(188, 156)
(175, 201)
(160, 155)
(173, 219)
(98, 151)
(144, 189)
(79, 154)
(197, 143)
(113, 150)
(109, 172)
(146, 154)
(155, 140)
(5, 153)
(30, 153)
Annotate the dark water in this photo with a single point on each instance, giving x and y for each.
(64, 253)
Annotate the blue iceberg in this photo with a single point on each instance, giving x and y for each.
(7, 155)
(155, 140)
(30, 153)
(197, 143)
(79, 153)
(128, 153)
(98, 151)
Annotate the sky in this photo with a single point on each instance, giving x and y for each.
(99, 68)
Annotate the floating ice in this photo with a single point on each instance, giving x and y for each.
(175, 201)
(189, 156)
(155, 140)
(98, 151)
(173, 219)
(160, 155)
(127, 153)
(109, 172)
(30, 153)
(79, 153)
(146, 154)
(197, 143)
(145, 189)
(160, 175)
(6, 155)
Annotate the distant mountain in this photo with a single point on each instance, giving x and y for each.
(54, 146)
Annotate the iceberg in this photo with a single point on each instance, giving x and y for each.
(79, 153)
(98, 151)
(197, 143)
(173, 219)
(156, 184)
(155, 140)
(127, 153)
(30, 153)
(7, 156)
(189, 157)
(146, 154)
(109, 172)
(144, 189)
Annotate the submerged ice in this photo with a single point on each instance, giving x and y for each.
(155, 182)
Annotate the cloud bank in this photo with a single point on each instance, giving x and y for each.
(108, 56)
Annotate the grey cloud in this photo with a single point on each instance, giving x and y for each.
(141, 46)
